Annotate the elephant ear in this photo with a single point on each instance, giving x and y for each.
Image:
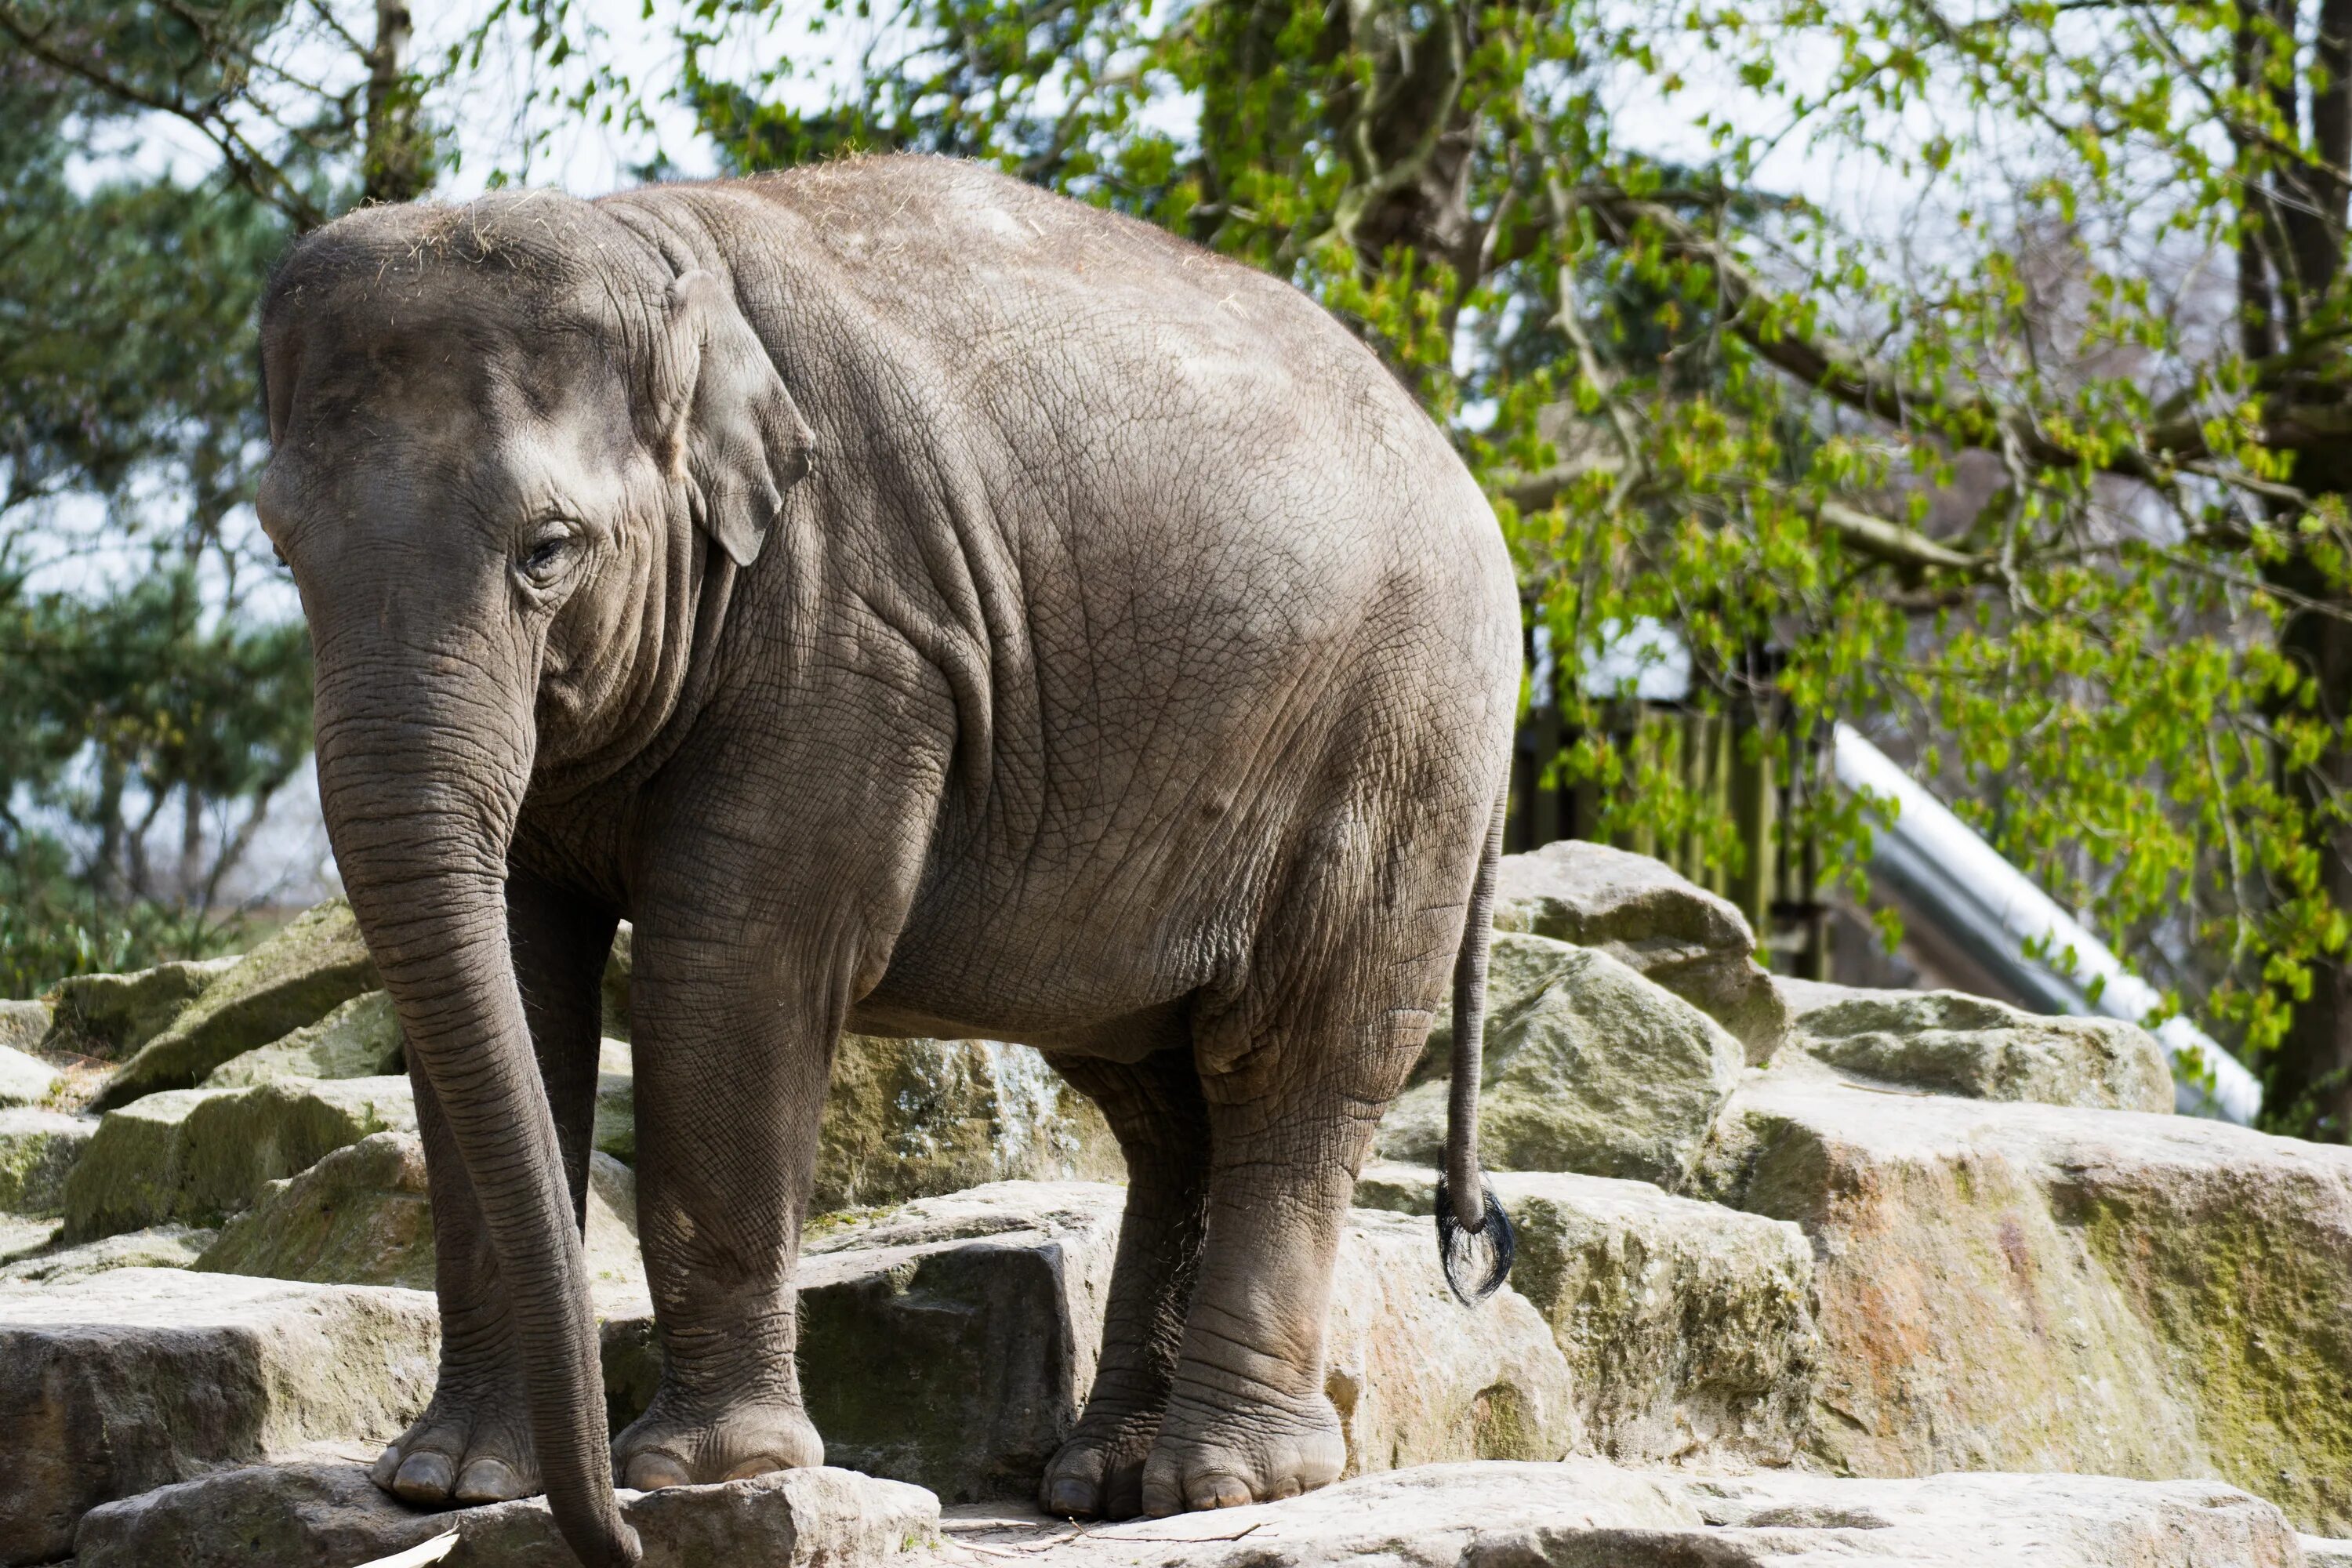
(725, 421)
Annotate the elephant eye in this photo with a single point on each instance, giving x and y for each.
(541, 557)
(543, 554)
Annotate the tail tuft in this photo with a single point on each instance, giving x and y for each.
(1476, 1259)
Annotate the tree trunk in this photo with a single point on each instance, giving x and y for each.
(397, 163)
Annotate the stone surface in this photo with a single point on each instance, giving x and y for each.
(1955, 1044)
(196, 1154)
(2014, 1285)
(1586, 1514)
(137, 1378)
(23, 1079)
(913, 1118)
(2319, 1551)
(329, 1516)
(24, 1025)
(111, 1015)
(1687, 1327)
(157, 1246)
(362, 1216)
(360, 1039)
(297, 977)
(1589, 1068)
(1642, 914)
(38, 1148)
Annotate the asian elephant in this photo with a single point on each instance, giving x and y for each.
(924, 605)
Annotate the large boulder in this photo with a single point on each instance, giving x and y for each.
(137, 1378)
(1658, 924)
(1956, 1043)
(330, 1516)
(38, 1148)
(111, 1015)
(1585, 1514)
(1687, 1327)
(157, 1246)
(23, 1079)
(360, 1039)
(24, 1025)
(2014, 1285)
(1589, 1068)
(299, 976)
(363, 1216)
(952, 1342)
(196, 1154)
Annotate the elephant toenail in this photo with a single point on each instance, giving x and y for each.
(1221, 1491)
(386, 1466)
(423, 1478)
(1068, 1497)
(1288, 1488)
(489, 1480)
(652, 1471)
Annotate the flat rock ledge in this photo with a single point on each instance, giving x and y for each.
(141, 1377)
(1588, 1514)
(331, 1516)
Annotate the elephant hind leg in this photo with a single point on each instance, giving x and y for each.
(1156, 1109)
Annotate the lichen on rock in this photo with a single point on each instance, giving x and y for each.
(360, 1039)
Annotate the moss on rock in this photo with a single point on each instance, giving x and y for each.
(111, 1015)
(38, 1148)
(297, 977)
(196, 1154)
(360, 1039)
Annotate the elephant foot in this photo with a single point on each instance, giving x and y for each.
(670, 1446)
(471, 1446)
(1231, 1454)
(1098, 1472)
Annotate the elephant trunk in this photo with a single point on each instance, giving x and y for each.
(421, 804)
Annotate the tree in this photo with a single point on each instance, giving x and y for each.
(2040, 465)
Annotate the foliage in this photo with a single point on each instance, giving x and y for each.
(2035, 461)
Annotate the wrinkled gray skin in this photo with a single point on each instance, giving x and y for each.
(923, 605)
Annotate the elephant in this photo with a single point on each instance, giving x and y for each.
(925, 605)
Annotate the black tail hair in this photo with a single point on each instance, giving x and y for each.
(1462, 1252)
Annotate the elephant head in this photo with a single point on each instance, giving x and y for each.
(508, 441)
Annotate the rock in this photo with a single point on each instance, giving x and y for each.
(1956, 1043)
(23, 1080)
(358, 1039)
(2320, 1552)
(914, 1119)
(22, 1236)
(111, 1015)
(38, 1148)
(329, 1516)
(1586, 1514)
(618, 967)
(196, 1154)
(114, 1385)
(1657, 923)
(1418, 1378)
(2014, 1285)
(299, 976)
(616, 1102)
(1687, 1327)
(1589, 1068)
(157, 1246)
(362, 1216)
(24, 1025)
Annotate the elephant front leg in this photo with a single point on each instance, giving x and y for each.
(731, 1083)
(1155, 1108)
(472, 1444)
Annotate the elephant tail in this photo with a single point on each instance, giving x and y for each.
(1474, 1235)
